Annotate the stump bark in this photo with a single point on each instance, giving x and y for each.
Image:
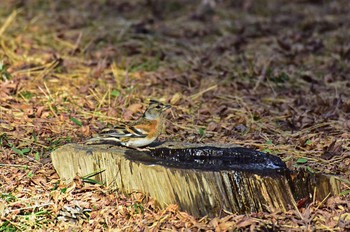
(202, 180)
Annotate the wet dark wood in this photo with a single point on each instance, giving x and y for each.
(199, 192)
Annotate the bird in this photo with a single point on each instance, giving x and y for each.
(139, 133)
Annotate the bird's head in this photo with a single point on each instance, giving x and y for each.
(155, 109)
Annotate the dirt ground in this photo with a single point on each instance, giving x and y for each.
(273, 75)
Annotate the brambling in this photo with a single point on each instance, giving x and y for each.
(140, 133)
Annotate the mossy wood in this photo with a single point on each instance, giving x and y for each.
(200, 189)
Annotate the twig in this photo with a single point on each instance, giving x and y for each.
(195, 96)
(14, 165)
(8, 21)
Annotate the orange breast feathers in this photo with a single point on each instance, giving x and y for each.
(152, 127)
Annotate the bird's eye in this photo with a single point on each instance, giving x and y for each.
(158, 107)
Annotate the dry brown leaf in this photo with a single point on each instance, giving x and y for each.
(131, 110)
(175, 98)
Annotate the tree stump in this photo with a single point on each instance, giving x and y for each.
(201, 179)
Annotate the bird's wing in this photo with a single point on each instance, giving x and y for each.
(120, 133)
(124, 131)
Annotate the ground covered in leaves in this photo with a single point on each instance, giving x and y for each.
(270, 75)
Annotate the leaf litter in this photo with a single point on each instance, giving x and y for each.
(270, 75)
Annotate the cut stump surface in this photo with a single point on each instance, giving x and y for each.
(201, 179)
